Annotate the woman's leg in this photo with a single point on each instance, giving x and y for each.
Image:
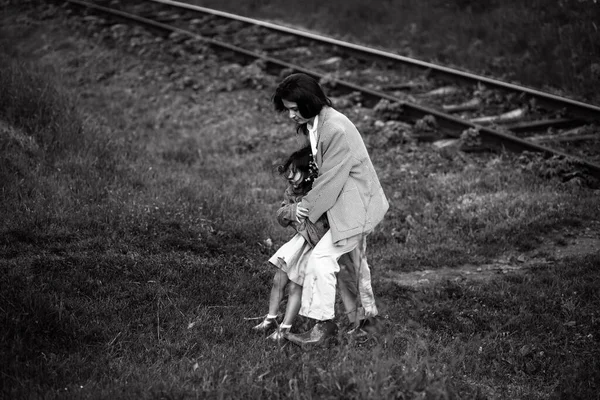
(348, 288)
(354, 281)
(318, 292)
(293, 304)
(363, 277)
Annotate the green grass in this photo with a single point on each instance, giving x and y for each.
(132, 243)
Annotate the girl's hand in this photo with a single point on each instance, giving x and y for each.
(301, 212)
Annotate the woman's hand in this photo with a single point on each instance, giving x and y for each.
(301, 213)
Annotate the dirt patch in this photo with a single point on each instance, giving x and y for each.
(508, 265)
(576, 247)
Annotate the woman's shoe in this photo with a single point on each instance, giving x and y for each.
(279, 335)
(266, 324)
(367, 326)
(319, 334)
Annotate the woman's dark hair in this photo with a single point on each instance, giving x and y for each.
(300, 160)
(303, 90)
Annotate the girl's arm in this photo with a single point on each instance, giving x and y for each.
(286, 214)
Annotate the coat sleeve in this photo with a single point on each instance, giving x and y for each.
(334, 171)
(286, 215)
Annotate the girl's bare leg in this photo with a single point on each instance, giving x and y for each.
(293, 304)
(279, 282)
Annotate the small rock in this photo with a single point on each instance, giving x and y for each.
(331, 61)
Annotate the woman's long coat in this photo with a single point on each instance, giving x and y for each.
(347, 188)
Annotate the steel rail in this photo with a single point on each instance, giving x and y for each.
(410, 111)
(575, 108)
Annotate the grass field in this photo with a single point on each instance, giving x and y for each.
(138, 199)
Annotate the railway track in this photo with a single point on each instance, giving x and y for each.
(472, 108)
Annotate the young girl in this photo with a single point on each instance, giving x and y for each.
(300, 170)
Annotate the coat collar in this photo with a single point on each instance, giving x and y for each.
(325, 111)
(323, 115)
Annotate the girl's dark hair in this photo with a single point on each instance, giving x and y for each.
(303, 90)
(301, 161)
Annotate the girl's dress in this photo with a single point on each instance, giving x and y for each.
(292, 257)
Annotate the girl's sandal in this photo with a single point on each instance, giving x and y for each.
(278, 335)
(266, 324)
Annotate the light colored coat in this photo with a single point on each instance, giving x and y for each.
(347, 188)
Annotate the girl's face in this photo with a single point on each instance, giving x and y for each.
(294, 112)
(294, 176)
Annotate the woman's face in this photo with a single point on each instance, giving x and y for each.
(294, 112)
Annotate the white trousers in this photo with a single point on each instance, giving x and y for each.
(319, 289)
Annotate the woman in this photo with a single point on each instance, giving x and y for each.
(346, 189)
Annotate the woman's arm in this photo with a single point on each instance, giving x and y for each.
(337, 162)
